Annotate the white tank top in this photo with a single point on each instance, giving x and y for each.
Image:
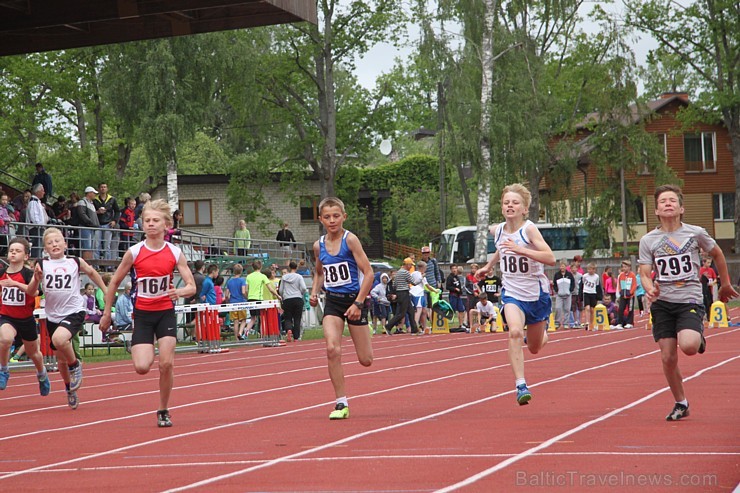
(522, 278)
(61, 287)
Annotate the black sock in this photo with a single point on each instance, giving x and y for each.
(72, 367)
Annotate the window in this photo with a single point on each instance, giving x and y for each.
(723, 205)
(310, 208)
(699, 151)
(196, 212)
(638, 210)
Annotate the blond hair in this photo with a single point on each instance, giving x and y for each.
(52, 231)
(331, 202)
(160, 206)
(520, 190)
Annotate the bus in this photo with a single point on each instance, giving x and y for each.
(457, 245)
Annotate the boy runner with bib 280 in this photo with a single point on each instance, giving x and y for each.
(523, 254)
(343, 270)
(16, 313)
(59, 276)
(676, 297)
(152, 264)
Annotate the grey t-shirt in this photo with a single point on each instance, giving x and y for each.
(292, 285)
(676, 261)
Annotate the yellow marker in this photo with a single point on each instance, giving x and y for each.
(601, 318)
(440, 324)
(718, 315)
(499, 322)
(649, 325)
(551, 325)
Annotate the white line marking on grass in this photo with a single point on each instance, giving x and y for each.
(572, 431)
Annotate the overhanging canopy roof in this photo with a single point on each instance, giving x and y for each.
(28, 26)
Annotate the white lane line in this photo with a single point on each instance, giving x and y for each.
(108, 420)
(529, 452)
(306, 408)
(187, 463)
(357, 436)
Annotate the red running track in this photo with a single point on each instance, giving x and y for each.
(433, 413)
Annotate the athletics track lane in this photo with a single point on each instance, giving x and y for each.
(408, 466)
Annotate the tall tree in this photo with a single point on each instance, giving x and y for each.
(310, 79)
(704, 35)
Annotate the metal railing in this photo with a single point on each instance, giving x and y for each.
(195, 246)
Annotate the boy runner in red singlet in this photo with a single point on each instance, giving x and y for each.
(341, 264)
(59, 276)
(152, 264)
(16, 313)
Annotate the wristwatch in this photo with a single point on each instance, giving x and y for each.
(359, 304)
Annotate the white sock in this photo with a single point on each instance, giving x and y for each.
(343, 400)
(684, 402)
(41, 374)
(520, 381)
(4, 368)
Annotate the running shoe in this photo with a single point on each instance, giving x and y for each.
(75, 377)
(523, 395)
(45, 385)
(679, 411)
(703, 345)
(72, 399)
(340, 412)
(628, 326)
(163, 419)
(4, 376)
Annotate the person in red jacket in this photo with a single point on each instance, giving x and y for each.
(127, 221)
(627, 285)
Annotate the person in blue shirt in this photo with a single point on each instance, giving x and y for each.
(124, 309)
(208, 291)
(236, 292)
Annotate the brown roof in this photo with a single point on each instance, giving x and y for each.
(638, 112)
(28, 26)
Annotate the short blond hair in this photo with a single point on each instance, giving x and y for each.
(331, 202)
(52, 231)
(160, 206)
(520, 190)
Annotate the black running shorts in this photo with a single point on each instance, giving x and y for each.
(338, 303)
(671, 318)
(73, 323)
(148, 324)
(25, 327)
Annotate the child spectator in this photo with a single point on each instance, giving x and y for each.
(491, 285)
(236, 292)
(609, 283)
(217, 287)
(92, 312)
(627, 284)
(611, 310)
(208, 291)
(576, 301)
(591, 291)
(563, 283)
(484, 311)
(381, 304)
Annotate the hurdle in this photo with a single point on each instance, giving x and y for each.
(208, 328)
(50, 361)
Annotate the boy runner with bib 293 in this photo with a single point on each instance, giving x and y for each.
(152, 264)
(16, 313)
(523, 254)
(672, 250)
(343, 270)
(59, 277)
